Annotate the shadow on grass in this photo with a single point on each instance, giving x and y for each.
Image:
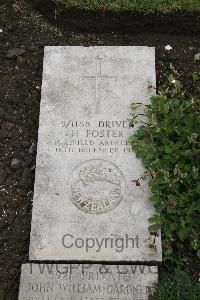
(125, 22)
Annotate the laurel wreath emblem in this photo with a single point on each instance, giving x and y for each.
(97, 186)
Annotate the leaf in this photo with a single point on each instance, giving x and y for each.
(167, 149)
(196, 76)
(134, 106)
(173, 226)
(183, 233)
(198, 252)
(171, 210)
(165, 108)
(197, 57)
(170, 78)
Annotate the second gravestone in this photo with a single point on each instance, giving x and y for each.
(87, 282)
(86, 206)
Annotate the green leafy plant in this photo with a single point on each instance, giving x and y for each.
(169, 146)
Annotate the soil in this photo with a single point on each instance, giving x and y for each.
(22, 40)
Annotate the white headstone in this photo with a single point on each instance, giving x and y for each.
(87, 282)
(86, 206)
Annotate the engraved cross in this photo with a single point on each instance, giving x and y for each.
(98, 79)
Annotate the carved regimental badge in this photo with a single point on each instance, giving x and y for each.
(97, 186)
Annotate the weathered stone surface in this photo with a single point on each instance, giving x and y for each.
(87, 282)
(86, 206)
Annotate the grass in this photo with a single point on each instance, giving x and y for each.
(177, 286)
(145, 6)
